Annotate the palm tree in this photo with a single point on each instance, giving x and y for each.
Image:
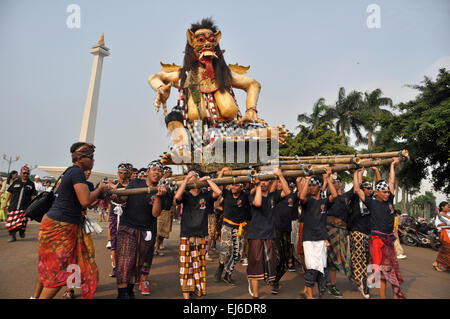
(372, 113)
(346, 114)
(318, 115)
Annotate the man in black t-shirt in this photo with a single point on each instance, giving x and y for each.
(314, 212)
(284, 211)
(381, 239)
(166, 216)
(359, 228)
(235, 210)
(194, 232)
(337, 219)
(262, 256)
(136, 235)
(21, 192)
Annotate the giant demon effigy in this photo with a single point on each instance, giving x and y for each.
(205, 86)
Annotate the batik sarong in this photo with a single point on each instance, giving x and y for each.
(112, 226)
(443, 257)
(64, 257)
(384, 260)
(262, 259)
(359, 248)
(131, 252)
(164, 223)
(16, 220)
(284, 251)
(231, 246)
(193, 265)
(337, 251)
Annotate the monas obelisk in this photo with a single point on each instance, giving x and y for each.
(90, 110)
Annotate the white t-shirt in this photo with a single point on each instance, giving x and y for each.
(39, 187)
(440, 220)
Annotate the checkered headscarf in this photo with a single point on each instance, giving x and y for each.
(382, 186)
(156, 163)
(366, 185)
(315, 181)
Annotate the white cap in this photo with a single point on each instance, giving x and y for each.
(37, 176)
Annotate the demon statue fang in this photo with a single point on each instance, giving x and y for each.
(205, 94)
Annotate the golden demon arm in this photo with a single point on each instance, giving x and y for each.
(162, 82)
(252, 87)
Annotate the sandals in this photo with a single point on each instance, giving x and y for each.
(436, 267)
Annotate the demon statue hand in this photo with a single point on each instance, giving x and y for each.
(205, 84)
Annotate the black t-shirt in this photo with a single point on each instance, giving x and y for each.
(67, 207)
(314, 213)
(286, 211)
(235, 209)
(194, 220)
(168, 201)
(15, 189)
(341, 206)
(262, 225)
(138, 209)
(112, 206)
(359, 218)
(381, 214)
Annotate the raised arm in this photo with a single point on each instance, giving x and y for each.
(179, 194)
(377, 173)
(217, 192)
(299, 183)
(331, 189)
(356, 184)
(284, 185)
(257, 201)
(304, 189)
(392, 174)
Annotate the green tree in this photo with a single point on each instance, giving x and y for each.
(345, 112)
(422, 127)
(371, 113)
(321, 140)
(318, 115)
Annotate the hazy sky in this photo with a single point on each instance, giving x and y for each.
(298, 50)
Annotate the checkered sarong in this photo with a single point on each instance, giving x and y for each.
(359, 248)
(193, 265)
(337, 251)
(16, 220)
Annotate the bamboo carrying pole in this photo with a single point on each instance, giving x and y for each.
(247, 179)
(403, 153)
(297, 164)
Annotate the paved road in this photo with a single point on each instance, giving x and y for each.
(18, 271)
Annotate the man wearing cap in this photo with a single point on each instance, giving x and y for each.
(359, 227)
(38, 185)
(166, 216)
(21, 192)
(136, 235)
(381, 239)
(115, 211)
(314, 234)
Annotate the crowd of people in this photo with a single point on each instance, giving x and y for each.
(269, 226)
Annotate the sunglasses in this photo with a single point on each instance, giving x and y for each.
(26, 173)
(123, 172)
(88, 156)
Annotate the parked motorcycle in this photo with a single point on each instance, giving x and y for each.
(412, 237)
(435, 242)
